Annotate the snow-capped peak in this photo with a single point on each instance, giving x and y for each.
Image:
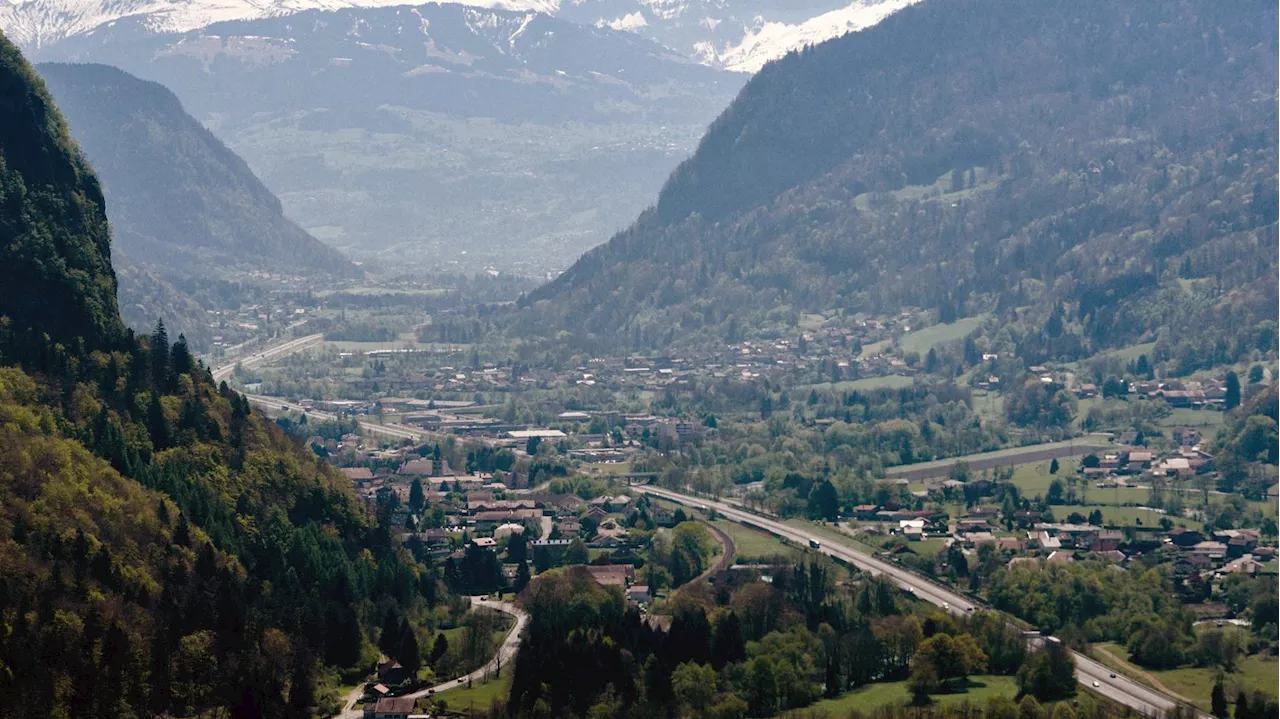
(37, 23)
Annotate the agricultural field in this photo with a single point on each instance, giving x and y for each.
(752, 544)
(864, 699)
(923, 340)
(1254, 673)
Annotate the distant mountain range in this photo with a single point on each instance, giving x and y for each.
(181, 204)
(734, 34)
(442, 134)
(1071, 167)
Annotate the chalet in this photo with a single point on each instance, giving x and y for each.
(1191, 563)
(597, 513)
(1141, 459)
(358, 474)
(1107, 540)
(1188, 436)
(865, 512)
(1241, 545)
(639, 594)
(1060, 557)
(1010, 544)
(393, 708)
(1183, 537)
(1241, 565)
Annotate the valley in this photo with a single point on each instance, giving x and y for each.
(639, 358)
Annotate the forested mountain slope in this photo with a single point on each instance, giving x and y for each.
(164, 551)
(1110, 164)
(178, 199)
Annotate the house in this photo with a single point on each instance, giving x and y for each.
(1183, 537)
(865, 512)
(1028, 562)
(1191, 563)
(1009, 544)
(1141, 458)
(612, 575)
(1107, 540)
(1114, 556)
(1241, 545)
(358, 474)
(485, 542)
(506, 530)
(390, 672)
(1060, 557)
(597, 514)
(639, 594)
(1188, 436)
(393, 708)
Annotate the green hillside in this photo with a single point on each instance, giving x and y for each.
(164, 551)
(1093, 174)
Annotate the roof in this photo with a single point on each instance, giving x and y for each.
(614, 575)
(357, 473)
(395, 705)
(1060, 557)
(539, 433)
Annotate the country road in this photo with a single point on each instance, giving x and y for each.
(504, 657)
(1096, 677)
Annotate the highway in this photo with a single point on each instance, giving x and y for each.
(1094, 676)
(267, 354)
(394, 431)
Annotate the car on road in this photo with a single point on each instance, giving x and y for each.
(815, 544)
(1113, 675)
(946, 606)
(1096, 684)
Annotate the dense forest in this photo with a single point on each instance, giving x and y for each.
(1094, 174)
(164, 551)
(751, 648)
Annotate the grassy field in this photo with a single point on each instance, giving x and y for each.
(1011, 453)
(1202, 419)
(751, 543)
(396, 345)
(922, 340)
(1254, 673)
(479, 696)
(1112, 515)
(871, 696)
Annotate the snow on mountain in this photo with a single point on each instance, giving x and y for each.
(37, 23)
(772, 40)
(739, 35)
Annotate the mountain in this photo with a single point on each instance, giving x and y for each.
(176, 195)
(52, 228)
(439, 134)
(1097, 174)
(738, 35)
(181, 204)
(166, 551)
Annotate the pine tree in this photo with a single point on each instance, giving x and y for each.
(1232, 398)
(1218, 700)
(160, 357)
(1242, 707)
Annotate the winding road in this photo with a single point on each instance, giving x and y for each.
(504, 657)
(1093, 675)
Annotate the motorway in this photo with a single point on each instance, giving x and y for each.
(272, 352)
(505, 656)
(394, 431)
(1094, 676)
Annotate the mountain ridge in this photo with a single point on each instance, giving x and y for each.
(739, 36)
(914, 164)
